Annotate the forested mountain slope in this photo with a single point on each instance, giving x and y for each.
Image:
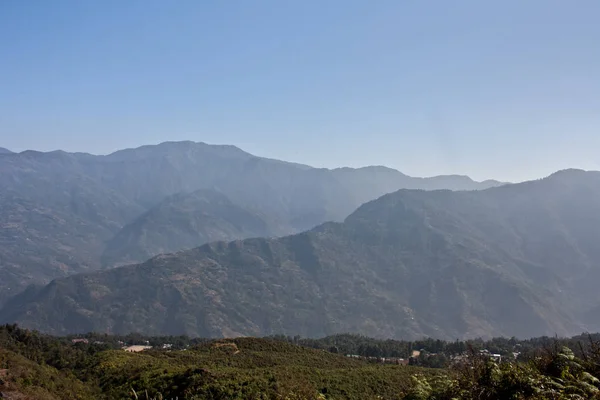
(517, 260)
(58, 210)
(184, 221)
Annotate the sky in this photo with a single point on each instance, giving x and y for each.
(506, 89)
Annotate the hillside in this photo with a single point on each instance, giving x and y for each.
(364, 181)
(185, 221)
(517, 260)
(41, 239)
(59, 210)
(23, 379)
(41, 367)
(34, 367)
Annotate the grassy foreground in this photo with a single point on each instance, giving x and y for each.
(251, 369)
(35, 366)
(41, 367)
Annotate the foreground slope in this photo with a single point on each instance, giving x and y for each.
(518, 260)
(23, 379)
(34, 366)
(59, 209)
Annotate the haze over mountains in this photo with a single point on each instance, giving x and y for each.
(516, 260)
(258, 246)
(64, 213)
(183, 221)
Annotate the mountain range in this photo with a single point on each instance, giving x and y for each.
(514, 260)
(65, 213)
(183, 221)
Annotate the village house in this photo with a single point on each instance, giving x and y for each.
(136, 349)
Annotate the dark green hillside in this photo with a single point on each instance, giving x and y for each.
(21, 378)
(35, 366)
(251, 368)
(244, 368)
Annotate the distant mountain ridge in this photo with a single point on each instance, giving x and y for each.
(59, 210)
(184, 221)
(517, 260)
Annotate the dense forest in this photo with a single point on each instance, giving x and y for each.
(95, 366)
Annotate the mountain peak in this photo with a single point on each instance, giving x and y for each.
(87, 200)
(571, 176)
(177, 148)
(569, 172)
(46, 155)
(369, 168)
(5, 151)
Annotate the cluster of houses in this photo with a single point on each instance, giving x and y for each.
(494, 357)
(497, 358)
(146, 346)
(416, 354)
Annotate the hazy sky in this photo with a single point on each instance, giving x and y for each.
(493, 89)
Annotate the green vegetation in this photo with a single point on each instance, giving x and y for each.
(25, 377)
(36, 366)
(242, 368)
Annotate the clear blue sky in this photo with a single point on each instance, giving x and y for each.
(493, 89)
